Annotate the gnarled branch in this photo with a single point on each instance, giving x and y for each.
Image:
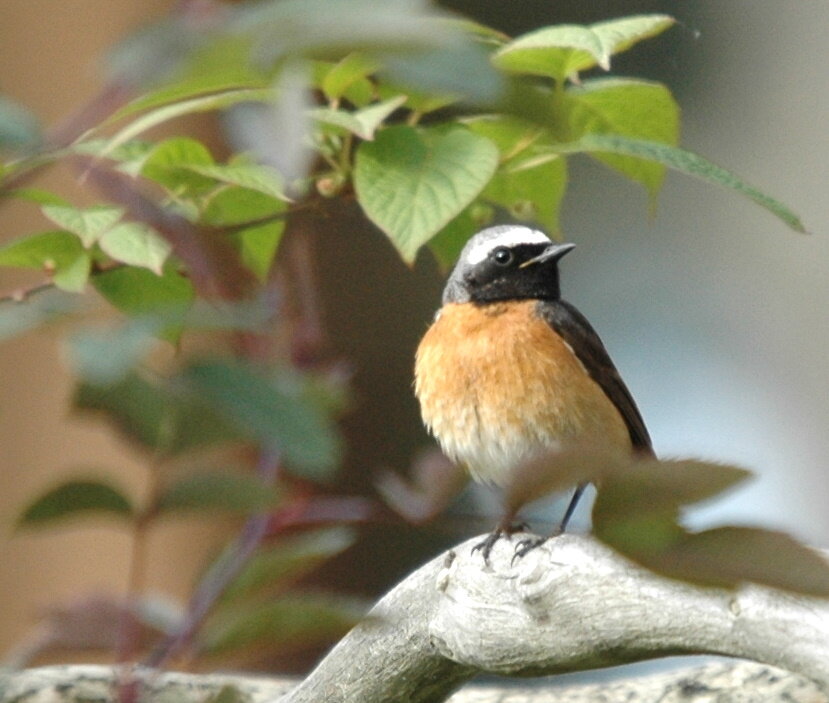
(570, 605)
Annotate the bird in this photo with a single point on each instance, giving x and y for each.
(508, 369)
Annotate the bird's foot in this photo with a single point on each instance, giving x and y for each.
(525, 546)
(485, 547)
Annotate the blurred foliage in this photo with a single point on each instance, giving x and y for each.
(435, 125)
(638, 511)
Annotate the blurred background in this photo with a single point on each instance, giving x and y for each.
(715, 314)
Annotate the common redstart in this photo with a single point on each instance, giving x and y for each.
(508, 369)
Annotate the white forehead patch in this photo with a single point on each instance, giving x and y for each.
(511, 237)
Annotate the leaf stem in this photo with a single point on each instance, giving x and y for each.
(344, 165)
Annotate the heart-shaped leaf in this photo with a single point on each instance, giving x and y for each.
(412, 182)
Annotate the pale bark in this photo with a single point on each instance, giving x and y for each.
(570, 605)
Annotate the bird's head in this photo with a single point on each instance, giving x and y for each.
(507, 262)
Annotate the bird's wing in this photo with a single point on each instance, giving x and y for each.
(574, 329)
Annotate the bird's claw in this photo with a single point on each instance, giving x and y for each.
(525, 546)
(485, 547)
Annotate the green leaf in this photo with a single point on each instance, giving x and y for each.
(411, 182)
(731, 556)
(76, 498)
(165, 113)
(558, 470)
(233, 205)
(211, 491)
(361, 93)
(481, 31)
(418, 101)
(292, 558)
(256, 177)
(531, 191)
(60, 254)
(73, 276)
(35, 195)
(290, 623)
(562, 51)
(257, 246)
(87, 223)
(628, 108)
(512, 135)
(154, 416)
(220, 66)
(684, 162)
(136, 244)
(363, 122)
(172, 162)
(637, 510)
(530, 181)
(128, 157)
(50, 250)
(278, 415)
(137, 291)
(19, 128)
(141, 410)
(351, 69)
(668, 486)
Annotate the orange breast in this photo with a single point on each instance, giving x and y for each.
(496, 384)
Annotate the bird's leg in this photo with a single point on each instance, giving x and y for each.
(505, 527)
(571, 508)
(527, 545)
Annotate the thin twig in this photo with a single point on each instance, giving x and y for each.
(223, 571)
(61, 136)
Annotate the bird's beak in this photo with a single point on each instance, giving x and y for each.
(552, 253)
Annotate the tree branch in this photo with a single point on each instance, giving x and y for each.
(570, 605)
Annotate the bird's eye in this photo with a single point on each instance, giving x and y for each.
(502, 256)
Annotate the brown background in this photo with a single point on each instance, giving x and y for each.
(714, 313)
